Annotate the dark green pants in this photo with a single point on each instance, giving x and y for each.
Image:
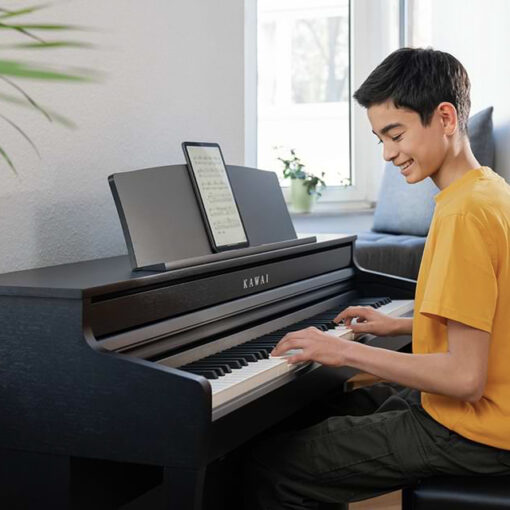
(376, 440)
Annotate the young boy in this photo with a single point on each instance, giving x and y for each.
(453, 418)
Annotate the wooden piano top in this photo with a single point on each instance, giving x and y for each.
(114, 274)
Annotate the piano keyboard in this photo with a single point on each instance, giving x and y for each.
(242, 368)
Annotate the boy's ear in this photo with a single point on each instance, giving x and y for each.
(448, 117)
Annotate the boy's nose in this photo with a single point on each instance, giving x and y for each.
(389, 152)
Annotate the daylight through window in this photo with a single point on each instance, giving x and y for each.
(303, 85)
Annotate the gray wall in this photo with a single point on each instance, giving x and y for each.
(173, 72)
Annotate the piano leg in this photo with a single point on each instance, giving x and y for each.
(183, 488)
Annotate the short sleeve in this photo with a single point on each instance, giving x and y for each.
(461, 283)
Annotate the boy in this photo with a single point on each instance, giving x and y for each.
(453, 418)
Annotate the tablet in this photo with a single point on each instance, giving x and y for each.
(217, 203)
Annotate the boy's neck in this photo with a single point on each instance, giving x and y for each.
(458, 162)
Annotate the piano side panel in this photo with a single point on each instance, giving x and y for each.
(60, 396)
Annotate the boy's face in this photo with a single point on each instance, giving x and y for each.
(419, 151)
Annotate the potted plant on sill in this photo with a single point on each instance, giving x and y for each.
(305, 187)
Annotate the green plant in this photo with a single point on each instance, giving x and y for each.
(21, 69)
(293, 169)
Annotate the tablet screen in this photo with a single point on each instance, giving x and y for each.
(218, 202)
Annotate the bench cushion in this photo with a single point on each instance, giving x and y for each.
(459, 493)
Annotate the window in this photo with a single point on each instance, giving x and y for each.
(303, 85)
(300, 56)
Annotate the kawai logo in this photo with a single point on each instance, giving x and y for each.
(256, 281)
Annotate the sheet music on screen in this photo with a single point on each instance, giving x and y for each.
(217, 196)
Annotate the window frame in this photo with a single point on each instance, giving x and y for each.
(373, 33)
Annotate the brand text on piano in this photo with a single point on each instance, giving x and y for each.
(256, 281)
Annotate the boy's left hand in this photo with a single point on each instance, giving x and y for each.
(316, 346)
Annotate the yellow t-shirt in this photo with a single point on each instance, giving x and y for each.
(465, 276)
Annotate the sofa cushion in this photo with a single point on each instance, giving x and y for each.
(407, 209)
(388, 253)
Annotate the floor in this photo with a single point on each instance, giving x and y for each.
(390, 501)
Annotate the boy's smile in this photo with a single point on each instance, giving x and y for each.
(419, 151)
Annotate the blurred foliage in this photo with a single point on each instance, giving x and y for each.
(19, 69)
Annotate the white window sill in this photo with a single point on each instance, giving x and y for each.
(331, 208)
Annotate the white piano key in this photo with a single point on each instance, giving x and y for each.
(255, 374)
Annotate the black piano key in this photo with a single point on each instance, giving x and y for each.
(247, 356)
(325, 316)
(314, 320)
(319, 325)
(208, 374)
(254, 348)
(266, 346)
(249, 352)
(263, 349)
(217, 370)
(272, 338)
(298, 327)
(232, 363)
(263, 346)
(244, 359)
(237, 359)
(223, 367)
(200, 364)
(209, 361)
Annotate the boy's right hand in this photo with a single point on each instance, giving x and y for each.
(368, 320)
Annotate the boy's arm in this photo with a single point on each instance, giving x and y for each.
(461, 372)
(404, 326)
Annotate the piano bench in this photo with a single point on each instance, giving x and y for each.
(458, 493)
(361, 380)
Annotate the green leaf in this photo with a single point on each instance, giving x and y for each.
(46, 45)
(8, 159)
(21, 102)
(22, 133)
(39, 26)
(28, 34)
(26, 70)
(26, 96)
(19, 12)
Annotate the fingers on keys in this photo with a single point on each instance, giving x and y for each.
(360, 313)
(296, 340)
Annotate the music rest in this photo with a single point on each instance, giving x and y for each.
(159, 239)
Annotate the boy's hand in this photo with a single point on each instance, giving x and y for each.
(368, 320)
(315, 345)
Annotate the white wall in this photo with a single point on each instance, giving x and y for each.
(173, 72)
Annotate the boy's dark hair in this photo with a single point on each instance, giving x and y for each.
(419, 79)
